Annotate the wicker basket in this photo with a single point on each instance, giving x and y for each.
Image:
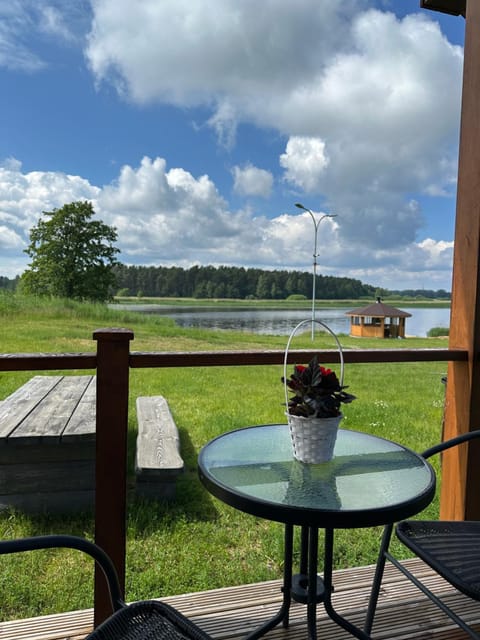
(313, 439)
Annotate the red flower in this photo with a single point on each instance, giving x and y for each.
(316, 391)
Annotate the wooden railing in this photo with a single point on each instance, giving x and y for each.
(112, 361)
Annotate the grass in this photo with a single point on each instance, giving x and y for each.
(281, 304)
(197, 542)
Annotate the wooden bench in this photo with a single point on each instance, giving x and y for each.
(157, 462)
(47, 445)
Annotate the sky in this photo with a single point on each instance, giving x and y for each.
(194, 126)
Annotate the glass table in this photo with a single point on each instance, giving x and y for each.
(370, 481)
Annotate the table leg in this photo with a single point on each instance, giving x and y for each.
(377, 580)
(303, 567)
(307, 587)
(327, 577)
(313, 594)
(310, 588)
(283, 613)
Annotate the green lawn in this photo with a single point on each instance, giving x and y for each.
(197, 542)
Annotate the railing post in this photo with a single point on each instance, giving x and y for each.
(460, 499)
(113, 350)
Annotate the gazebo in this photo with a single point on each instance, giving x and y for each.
(378, 320)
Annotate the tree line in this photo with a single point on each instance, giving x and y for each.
(241, 283)
(233, 282)
(9, 284)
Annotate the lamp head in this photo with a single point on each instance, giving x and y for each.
(299, 205)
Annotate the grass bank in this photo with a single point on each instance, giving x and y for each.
(196, 542)
(281, 304)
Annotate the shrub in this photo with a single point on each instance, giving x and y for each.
(437, 332)
(297, 296)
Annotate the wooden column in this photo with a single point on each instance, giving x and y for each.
(460, 497)
(113, 351)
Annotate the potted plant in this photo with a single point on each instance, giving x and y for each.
(313, 411)
(317, 392)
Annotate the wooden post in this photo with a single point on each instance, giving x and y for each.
(460, 498)
(113, 350)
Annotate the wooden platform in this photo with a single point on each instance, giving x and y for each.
(230, 613)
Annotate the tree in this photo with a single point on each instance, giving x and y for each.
(72, 255)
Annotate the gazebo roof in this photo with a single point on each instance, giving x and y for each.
(379, 310)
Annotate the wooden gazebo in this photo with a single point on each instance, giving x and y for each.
(378, 320)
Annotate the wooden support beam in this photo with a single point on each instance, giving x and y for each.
(460, 498)
(113, 352)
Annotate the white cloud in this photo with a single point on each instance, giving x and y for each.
(170, 216)
(318, 64)
(167, 216)
(252, 181)
(387, 113)
(224, 122)
(368, 106)
(369, 103)
(195, 53)
(52, 22)
(9, 239)
(26, 24)
(304, 162)
(23, 197)
(15, 22)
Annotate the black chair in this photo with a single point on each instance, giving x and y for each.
(452, 549)
(144, 620)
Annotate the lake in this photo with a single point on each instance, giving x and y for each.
(281, 322)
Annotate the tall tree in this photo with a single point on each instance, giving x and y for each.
(72, 255)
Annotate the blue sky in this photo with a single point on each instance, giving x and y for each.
(195, 125)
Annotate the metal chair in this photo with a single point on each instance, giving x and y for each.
(144, 620)
(452, 549)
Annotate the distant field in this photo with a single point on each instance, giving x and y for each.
(279, 304)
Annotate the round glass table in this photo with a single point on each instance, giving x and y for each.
(370, 481)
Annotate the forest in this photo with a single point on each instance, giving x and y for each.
(240, 283)
(246, 284)
(232, 282)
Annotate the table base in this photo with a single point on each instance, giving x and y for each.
(307, 587)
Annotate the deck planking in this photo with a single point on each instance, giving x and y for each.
(404, 613)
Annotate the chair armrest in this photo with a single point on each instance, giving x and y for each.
(71, 542)
(453, 442)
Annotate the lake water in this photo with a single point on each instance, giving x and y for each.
(281, 322)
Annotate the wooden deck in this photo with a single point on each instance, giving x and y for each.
(230, 613)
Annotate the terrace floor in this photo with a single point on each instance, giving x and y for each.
(403, 613)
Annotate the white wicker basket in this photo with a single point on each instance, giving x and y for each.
(313, 439)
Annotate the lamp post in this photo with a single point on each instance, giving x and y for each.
(316, 224)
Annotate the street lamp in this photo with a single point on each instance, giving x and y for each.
(316, 224)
